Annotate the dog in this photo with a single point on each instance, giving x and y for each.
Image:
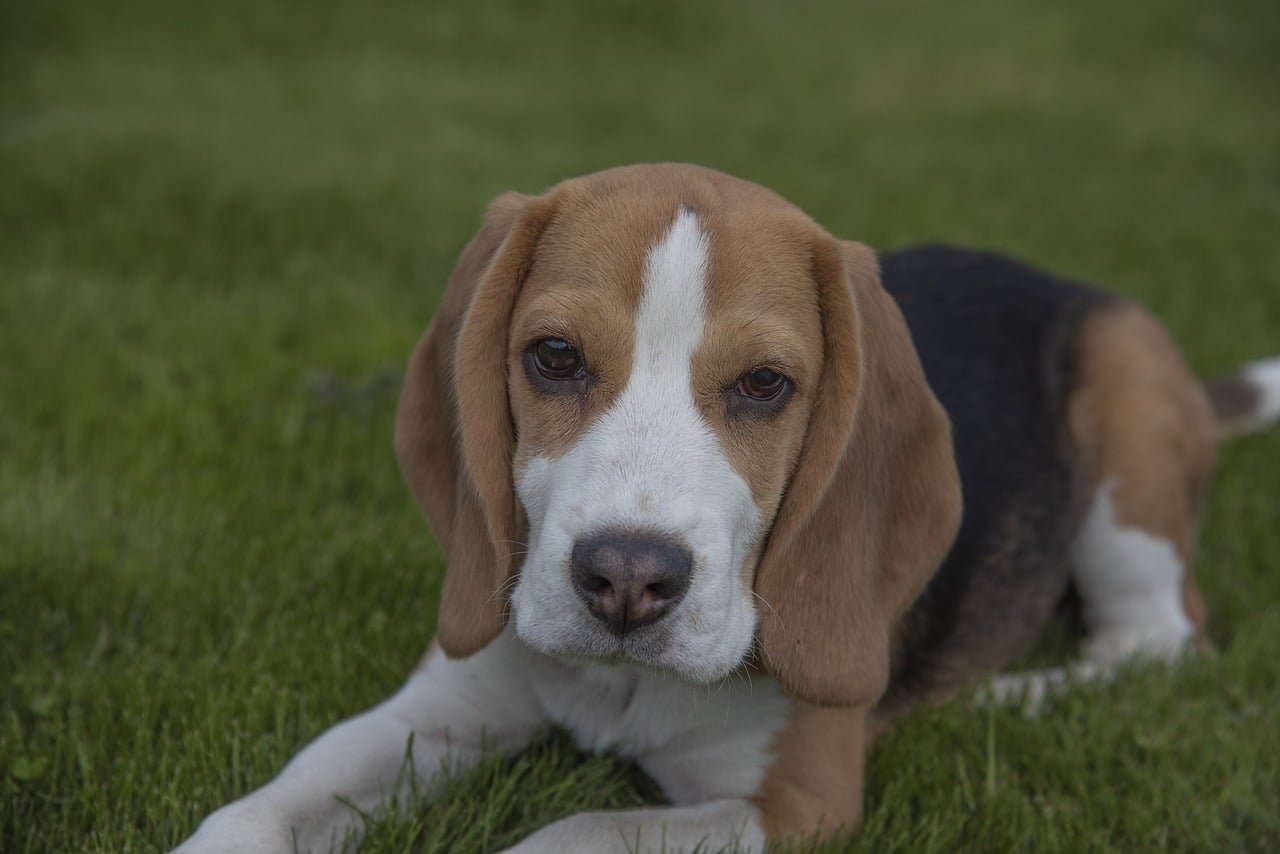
(726, 495)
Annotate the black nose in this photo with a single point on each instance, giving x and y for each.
(629, 581)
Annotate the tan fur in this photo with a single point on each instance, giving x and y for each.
(593, 306)
(815, 783)
(762, 311)
(453, 432)
(1141, 418)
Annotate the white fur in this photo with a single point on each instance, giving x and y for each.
(705, 746)
(1131, 585)
(1265, 376)
(649, 463)
(697, 742)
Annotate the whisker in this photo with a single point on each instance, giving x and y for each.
(765, 602)
(503, 588)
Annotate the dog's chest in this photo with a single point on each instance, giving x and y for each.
(693, 739)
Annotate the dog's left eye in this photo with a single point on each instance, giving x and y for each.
(762, 384)
(557, 360)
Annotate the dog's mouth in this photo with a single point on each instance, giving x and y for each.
(616, 659)
(653, 647)
(660, 649)
(646, 645)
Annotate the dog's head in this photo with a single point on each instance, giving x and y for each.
(662, 416)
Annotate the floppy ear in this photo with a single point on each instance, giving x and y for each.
(453, 426)
(873, 505)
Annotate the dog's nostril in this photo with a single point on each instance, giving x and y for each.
(596, 583)
(664, 589)
(629, 580)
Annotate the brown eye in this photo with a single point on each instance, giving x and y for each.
(556, 360)
(761, 384)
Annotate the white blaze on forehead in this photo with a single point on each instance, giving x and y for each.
(650, 463)
(654, 433)
(671, 316)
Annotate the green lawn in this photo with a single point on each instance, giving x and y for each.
(222, 227)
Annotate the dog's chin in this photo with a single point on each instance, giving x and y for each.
(651, 648)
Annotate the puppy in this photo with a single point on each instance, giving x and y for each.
(700, 476)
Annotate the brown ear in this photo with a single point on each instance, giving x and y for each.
(453, 426)
(874, 503)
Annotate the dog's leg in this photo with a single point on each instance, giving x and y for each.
(1136, 593)
(1133, 585)
(1134, 588)
(1145, 426)
(446, 716)
(732, 824)
(1145, 429)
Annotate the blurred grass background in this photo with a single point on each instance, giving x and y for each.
(223, 226)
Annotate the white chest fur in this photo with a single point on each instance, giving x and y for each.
(698, 742)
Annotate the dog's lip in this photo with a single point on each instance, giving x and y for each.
(614, 659)
(604, 647)
(623, 661)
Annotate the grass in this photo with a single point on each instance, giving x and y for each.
(222, 225)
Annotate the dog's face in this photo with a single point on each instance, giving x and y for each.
(662, 415)
(659, 388)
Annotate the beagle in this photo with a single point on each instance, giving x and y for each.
(699, 469)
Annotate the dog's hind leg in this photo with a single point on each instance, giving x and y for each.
(1145, 429)
(1142, 428)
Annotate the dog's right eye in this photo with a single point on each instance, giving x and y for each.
(557, 360)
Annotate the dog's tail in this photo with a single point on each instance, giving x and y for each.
(1246, 401)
